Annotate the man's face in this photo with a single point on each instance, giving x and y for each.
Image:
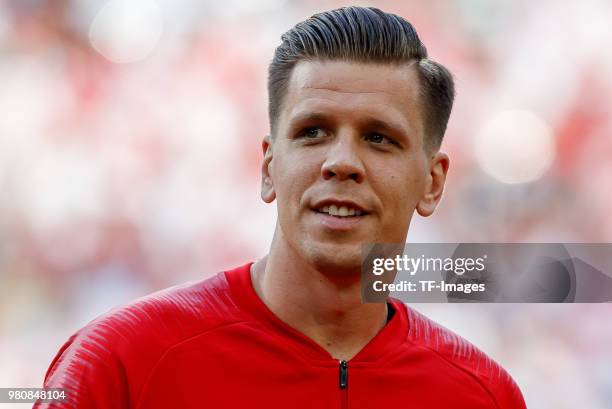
(347, 165)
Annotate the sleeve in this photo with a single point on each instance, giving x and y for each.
(509, 395)
(90, 373)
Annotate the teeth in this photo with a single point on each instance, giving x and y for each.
(342, 211)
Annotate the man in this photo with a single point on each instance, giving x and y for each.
(357, 115)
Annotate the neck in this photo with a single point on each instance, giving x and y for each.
(326, 309)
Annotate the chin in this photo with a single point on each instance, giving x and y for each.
(336, 260)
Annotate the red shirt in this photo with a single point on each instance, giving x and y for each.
(215, 344)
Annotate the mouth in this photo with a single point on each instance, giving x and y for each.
(339, 216)
(340, 211)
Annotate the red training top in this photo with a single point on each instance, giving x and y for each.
(215, 344)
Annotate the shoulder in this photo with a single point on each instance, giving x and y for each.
(464, 356)
(167, 316)
(126, 343)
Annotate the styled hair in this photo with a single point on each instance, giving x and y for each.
(364, 35)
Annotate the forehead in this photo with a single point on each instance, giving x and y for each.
(386, 92)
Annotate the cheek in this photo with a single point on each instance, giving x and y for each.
(292, 176)
(400, 187)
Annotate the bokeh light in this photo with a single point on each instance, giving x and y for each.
(515, 146)
(127, 31)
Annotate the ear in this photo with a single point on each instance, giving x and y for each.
(267, 186)
(438, 168)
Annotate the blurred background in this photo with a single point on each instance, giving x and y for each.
(130, 152)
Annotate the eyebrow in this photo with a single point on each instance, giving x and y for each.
(309, 116)
(387, 125)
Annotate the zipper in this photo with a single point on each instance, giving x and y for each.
(343, 383)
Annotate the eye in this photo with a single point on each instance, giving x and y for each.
(378, 139)
(312, 132)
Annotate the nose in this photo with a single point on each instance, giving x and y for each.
(342, 160)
